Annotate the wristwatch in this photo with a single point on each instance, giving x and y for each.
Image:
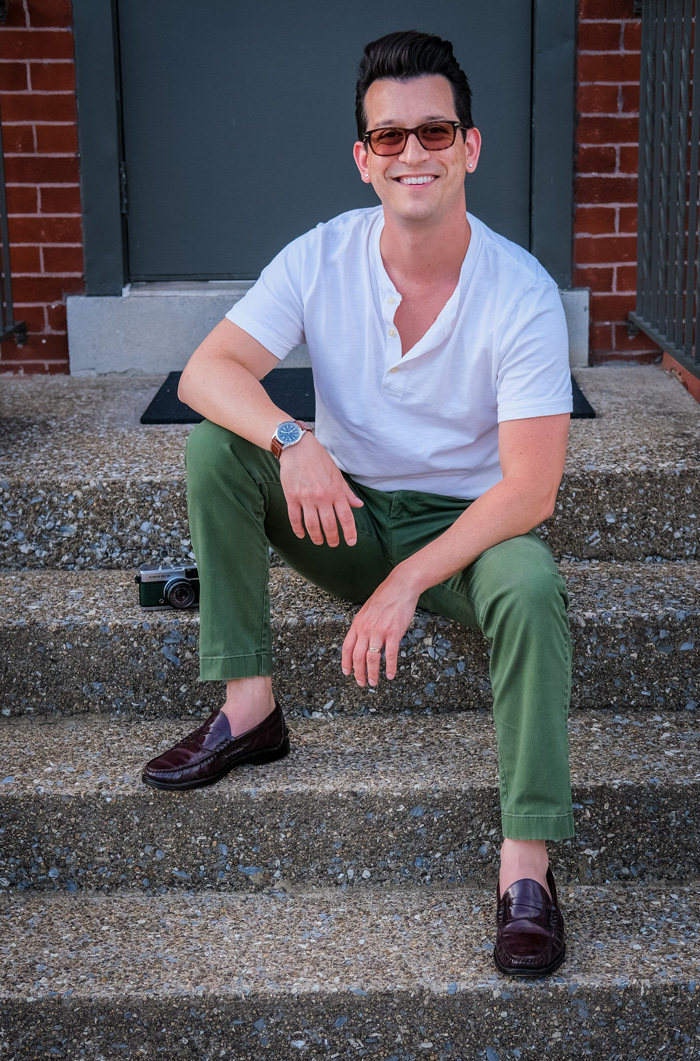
(287, 434)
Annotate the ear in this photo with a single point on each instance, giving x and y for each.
(360, 154)
(473, 148)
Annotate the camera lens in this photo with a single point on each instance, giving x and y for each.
(179, 593)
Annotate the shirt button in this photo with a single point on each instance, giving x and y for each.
(391, 301)
(394, 369)
(392, 332)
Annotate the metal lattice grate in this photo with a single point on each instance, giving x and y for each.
(668, 247)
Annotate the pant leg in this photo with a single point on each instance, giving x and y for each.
(236, 510)
(515, 595)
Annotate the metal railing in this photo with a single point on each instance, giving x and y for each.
(668, 241)
(8, 325)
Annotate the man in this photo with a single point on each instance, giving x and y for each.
(440, 360)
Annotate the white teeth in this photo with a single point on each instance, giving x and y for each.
(416, 180)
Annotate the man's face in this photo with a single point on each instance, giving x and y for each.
(439, 191)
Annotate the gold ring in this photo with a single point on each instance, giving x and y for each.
(370, 649)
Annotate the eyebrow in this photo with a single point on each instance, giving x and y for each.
(430, 118)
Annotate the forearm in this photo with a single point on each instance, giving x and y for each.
(508, 509)
(229, 395)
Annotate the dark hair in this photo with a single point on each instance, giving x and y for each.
(405, 56)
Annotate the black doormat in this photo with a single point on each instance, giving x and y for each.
(583, 410)
(290, 388)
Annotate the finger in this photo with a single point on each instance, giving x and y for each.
(352, 498)
(374, 659)
(294, 511)
(391, 656)
(359, 661)
(361, 657)
(313, 527)
(330, 526)
(347, 521)
(348, 647)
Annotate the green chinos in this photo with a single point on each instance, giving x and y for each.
(513, 593)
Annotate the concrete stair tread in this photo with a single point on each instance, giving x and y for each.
(331, 942)
(61, 428)
(340, 973)
(405, 756)
(385, 802)
(596, 587)
(83, 483)
(78, 640)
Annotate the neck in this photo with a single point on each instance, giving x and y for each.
(427, 254)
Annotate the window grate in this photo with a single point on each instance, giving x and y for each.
(668, 245)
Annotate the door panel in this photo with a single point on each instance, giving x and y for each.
(238, 121)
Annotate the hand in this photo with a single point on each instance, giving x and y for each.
(380, 623)
(317, 495)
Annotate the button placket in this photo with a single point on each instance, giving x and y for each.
(390, 304)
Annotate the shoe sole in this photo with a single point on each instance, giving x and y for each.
(530, 973)
(267, 755)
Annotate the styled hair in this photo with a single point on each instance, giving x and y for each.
(405, 56)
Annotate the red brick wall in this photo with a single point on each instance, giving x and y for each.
(605, 244)
(37, 99)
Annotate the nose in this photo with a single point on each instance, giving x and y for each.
(413, 147)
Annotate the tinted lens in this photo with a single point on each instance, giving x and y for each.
(387, 141)
(436, 137)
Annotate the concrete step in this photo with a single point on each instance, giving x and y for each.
(78, 641)
(83, 484)
(342, 973)
(365, 801)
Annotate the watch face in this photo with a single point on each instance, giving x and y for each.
(289, 432)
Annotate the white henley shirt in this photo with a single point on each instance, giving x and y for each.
(426, 421)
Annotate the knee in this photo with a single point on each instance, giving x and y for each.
(525, 583)
(534, 591)
(208, 450)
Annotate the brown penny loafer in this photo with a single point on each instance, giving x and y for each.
(530, 929)
(210, 752)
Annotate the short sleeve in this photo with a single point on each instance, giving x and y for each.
(533, 375)
(272, 311)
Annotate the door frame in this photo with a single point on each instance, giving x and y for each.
(102, 163)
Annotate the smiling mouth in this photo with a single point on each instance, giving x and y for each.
(416, 180)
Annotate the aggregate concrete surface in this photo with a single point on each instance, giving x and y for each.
(345, 974)
(358, 802)
(338, 903)
(78, 641)
(84, 484)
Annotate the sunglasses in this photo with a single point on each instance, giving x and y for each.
(433, 136)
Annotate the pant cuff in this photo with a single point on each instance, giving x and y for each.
(226, 668)
(536, 827)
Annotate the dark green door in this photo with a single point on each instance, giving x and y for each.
(238, 121)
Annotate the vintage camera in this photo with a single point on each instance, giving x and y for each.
(168, 587)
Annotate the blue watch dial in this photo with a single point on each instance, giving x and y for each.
(289, 432)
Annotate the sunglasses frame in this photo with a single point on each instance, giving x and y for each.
(407, 132)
